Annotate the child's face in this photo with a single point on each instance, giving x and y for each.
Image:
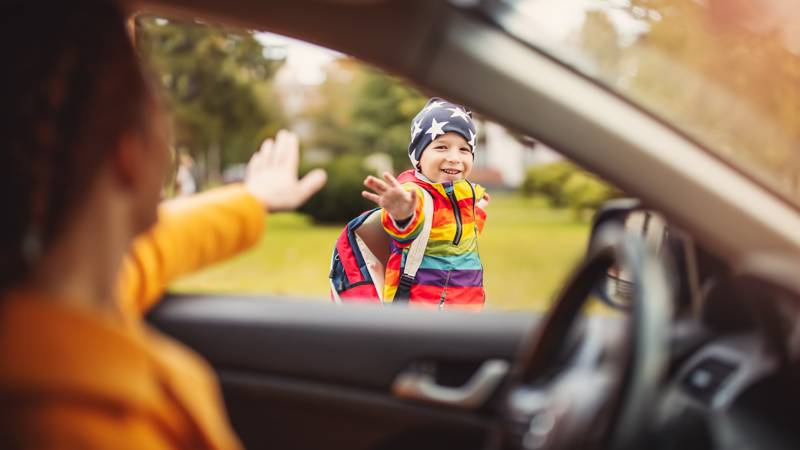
(447, 158)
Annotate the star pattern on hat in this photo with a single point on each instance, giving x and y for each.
(432, 106)
(436, 128)
(458, 112)
(417, 130)
(471, 140)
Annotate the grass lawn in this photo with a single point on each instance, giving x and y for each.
(527, 250)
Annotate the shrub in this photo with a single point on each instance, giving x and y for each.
(548, 180)
(565, 185)
(584, 192)
(340, 199)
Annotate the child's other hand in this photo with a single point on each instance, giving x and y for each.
(391, 196)
(271, 174)
(484, 201)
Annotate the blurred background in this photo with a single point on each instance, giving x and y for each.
(230, 89)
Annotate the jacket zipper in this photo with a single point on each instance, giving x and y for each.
(452, 196)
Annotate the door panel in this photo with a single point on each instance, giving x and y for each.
(299, 375)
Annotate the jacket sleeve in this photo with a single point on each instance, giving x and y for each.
(480, 218)
(191, 233)
(404, 235)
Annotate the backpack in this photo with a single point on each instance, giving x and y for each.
(360, 255)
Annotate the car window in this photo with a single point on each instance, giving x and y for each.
(230, 89)
(731, 86)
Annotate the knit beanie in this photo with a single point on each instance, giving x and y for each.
(435, 119)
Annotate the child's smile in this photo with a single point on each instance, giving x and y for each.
(447, 158)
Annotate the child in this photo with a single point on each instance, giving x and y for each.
(442, 150)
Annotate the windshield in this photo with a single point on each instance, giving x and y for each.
(726, 73)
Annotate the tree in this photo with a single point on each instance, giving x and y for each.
(218, 86)
(363, 111)
(382, 113)
(329, 111)
(340, 199)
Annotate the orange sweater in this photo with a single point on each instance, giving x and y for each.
(74, 379)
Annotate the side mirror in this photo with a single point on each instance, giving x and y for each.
(616, 288)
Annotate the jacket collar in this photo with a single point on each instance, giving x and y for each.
(418, 178)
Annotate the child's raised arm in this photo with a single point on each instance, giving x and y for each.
(402, 208)
(480, 210)
(391, 196)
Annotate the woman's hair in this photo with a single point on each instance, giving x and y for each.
(71, 87)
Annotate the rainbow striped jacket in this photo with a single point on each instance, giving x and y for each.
(451, 273)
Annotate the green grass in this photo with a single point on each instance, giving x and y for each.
(527, 250)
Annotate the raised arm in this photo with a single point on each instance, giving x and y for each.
(197, 231)
(481, 203)
(402, 215)
(191, 233)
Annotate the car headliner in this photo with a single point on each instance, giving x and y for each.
(427, 41)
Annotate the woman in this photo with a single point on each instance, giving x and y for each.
(84, 146)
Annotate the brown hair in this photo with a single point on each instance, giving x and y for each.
(71, 88)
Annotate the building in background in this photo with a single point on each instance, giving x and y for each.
(503, 157)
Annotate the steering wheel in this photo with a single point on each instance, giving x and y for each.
(603, 395)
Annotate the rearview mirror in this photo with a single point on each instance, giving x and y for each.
(616, 288)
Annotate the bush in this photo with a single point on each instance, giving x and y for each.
(340, 199)
(585, 192)
(565, 185)
(548, 180)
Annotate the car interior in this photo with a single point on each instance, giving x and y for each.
(699, 348)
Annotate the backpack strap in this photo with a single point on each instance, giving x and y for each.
(416, 251)
(334, 289)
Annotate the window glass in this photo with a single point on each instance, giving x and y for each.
(724, 73)
(230, 89)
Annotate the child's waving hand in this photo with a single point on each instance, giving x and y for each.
(391, 196)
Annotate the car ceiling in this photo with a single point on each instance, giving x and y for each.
(388, 24)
